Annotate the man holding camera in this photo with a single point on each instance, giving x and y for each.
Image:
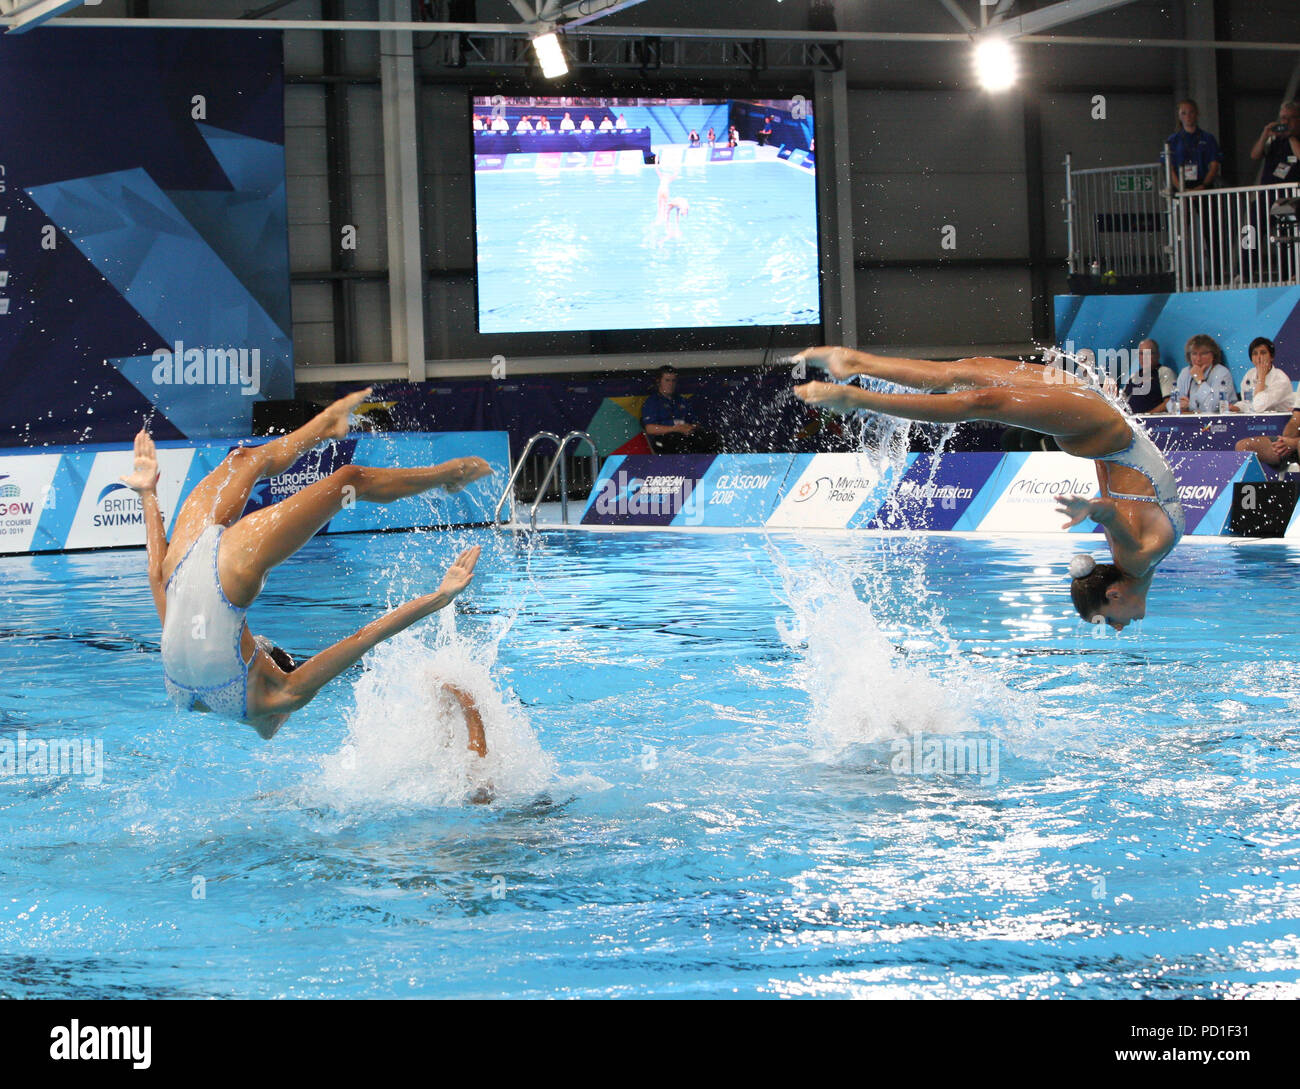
(1279, 146)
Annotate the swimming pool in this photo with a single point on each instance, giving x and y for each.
(703, 778)
(580, 249)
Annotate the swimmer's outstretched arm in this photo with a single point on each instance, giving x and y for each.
(310, 677)
(144, 482)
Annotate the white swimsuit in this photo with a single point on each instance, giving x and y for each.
(1141, 454)
(201, 635)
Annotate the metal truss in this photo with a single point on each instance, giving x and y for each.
(641, 53)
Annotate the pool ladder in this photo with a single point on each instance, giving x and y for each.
(561, 444)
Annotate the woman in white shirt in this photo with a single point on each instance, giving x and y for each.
(1264, 389)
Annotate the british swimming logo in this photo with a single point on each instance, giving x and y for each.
(118, 505)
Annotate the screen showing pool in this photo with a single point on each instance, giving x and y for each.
(605, 213)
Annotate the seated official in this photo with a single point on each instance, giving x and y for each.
(606, 126)
(1150, 384)
(669, 421)
(1265, 388)
(1280, 452)
(1206, 381)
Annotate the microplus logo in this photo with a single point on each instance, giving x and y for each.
(115, 1044)
(183, 366)
(1051, 487)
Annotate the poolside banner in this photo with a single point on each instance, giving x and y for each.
(73, 497)
(652, 490)
(144, 214)
(963, 492)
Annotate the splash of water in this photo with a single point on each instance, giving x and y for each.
(408, 743)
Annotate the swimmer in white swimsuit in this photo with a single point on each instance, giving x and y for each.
(217, 561)
(1138, 509)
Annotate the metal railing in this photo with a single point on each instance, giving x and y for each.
(558, 462)
(1118, 220)
(1228, 238)
(1129, 222)
(509, 492)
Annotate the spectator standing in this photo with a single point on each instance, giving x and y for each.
(1279, 146)
(1195, 161)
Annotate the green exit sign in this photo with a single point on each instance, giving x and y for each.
(1134, 183)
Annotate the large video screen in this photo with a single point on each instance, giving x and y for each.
(608, 213)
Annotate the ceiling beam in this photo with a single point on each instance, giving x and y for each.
(1067, 11)
(963, 20)
(25, 15)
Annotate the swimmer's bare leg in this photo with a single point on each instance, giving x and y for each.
(267, 537)
(221, 496)
(976, 373)
(1064, 411)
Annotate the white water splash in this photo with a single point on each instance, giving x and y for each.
(408, 743)
(872, 678)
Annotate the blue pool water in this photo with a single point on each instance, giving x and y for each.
(581, 250)
(698, 787)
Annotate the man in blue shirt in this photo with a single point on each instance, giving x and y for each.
(1194, 157)
(669, 421)
(1206, 381)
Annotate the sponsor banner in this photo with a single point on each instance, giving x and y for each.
(473, 504)
(745, 152)
(1026, 487)
(75, 499)
(721, 155)
(785, 152)
(24, 493)
(1205, 481)
(983, 492)
(549, 160)
(939, 493)
(307, 470)
(630, 162)
(109, 513)
(828, 491)
(648, 490)
(737, 490)
(604, 160)
(575, 160)
(489, 162)
(1293, 529)
(524, 161)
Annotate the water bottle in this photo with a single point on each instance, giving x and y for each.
(1175, 405)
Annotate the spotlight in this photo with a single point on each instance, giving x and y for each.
(550, 55)
(995, 64)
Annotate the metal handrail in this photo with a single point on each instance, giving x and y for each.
(558, 460)
(519, 466)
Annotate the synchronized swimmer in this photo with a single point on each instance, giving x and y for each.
(216, 563)
(204, 581)
(1138, 510)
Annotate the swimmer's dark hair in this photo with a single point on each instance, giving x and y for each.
(1089, 592)
(283, 659)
